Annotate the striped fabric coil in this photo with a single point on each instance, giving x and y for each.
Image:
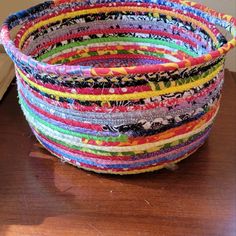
(119, 87)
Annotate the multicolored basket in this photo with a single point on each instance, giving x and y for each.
(120, 87)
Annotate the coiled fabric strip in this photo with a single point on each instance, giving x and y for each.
(119, 87)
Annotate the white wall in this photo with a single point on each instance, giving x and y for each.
(225, 6)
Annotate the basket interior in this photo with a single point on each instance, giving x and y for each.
(116, 37)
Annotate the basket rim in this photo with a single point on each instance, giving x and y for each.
(89, 71)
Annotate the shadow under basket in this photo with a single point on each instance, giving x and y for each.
(119, 87)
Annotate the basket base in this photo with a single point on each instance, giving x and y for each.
(167, 165)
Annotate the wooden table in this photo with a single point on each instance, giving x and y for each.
(41, 196)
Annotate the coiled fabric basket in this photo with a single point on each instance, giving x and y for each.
(119, 87)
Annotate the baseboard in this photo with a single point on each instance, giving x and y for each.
(7, 73)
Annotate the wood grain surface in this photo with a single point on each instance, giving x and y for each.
(41, 196)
